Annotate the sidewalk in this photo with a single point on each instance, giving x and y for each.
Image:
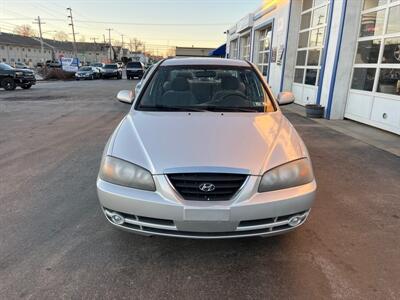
(370, 135)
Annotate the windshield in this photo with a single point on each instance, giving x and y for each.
(111, 67)
(97, 65)
(205, 88)
(5, 67)
(85, 69)
(134, 65)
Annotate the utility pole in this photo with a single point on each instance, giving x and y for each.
(104, 38)
(39, 22)
(73, 30)
(122, 42)
(109, 42)
(93, 39)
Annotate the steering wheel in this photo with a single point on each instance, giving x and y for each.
(224, 101)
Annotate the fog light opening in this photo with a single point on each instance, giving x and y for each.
(295, 220)
(117, 219)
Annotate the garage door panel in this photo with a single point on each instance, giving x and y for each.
(359, 105)
(298, 93)
(310, 94)
(386, 111)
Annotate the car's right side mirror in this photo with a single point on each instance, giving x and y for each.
(126, 96)
(285, 98)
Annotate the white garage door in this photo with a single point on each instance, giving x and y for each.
(309, 50)
(374, 97)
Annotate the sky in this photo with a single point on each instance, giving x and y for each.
(159, 23)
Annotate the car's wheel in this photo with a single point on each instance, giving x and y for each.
(91, 77)
(26, 86)
(8, 84)
(128, 77)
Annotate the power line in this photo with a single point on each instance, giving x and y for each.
(128, 23)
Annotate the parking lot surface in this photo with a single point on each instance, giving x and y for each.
(55, 242)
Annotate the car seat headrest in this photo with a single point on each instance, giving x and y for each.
(180, 84)
(229, 83)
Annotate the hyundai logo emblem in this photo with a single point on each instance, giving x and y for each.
(207, 187)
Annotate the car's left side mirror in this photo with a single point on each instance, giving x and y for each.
(285, 98)
(126, 96)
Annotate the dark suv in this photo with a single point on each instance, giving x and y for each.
(134, 69)
(10, 77)
(111, 70)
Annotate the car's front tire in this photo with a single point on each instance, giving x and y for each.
(8, 84)
(26, 86)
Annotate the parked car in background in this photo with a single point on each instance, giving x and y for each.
(141, 82)
(134, 69)
(11, 77)
(88, 72)
(205, 152)
(112, 71)
(120, 64)
(21, 65)
(99, 66)
(53, 64)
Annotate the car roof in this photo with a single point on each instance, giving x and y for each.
(204, 61)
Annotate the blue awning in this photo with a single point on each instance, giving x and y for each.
(220, 51)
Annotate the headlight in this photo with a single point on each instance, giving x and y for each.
(19, 73)
(124, 173)
(292, 174)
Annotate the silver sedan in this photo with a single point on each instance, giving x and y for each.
(205, 152)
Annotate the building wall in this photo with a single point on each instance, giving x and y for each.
(28, 55)
(195, 52)
(272, 16)
(371, 96)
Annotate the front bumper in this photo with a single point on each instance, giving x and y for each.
(82, 76)
(109, 75)
(25, 80)
(165, 213)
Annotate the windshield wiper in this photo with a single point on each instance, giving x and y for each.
(232, 109)
(169, 108)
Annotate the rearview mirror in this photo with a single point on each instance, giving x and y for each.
(126, 96)
(285, 98)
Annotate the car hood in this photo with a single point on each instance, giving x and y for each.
(25, 71)
(247, 142)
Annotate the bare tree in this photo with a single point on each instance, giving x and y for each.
(60, 36)
(24, 30)
(135, 44)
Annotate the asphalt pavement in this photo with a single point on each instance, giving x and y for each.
(55, 242)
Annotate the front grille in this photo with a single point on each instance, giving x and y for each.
(225, 185)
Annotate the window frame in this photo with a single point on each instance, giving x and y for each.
(381, 37)
(257, 51)
(234, 49)
(308, 47)
(246, 35)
